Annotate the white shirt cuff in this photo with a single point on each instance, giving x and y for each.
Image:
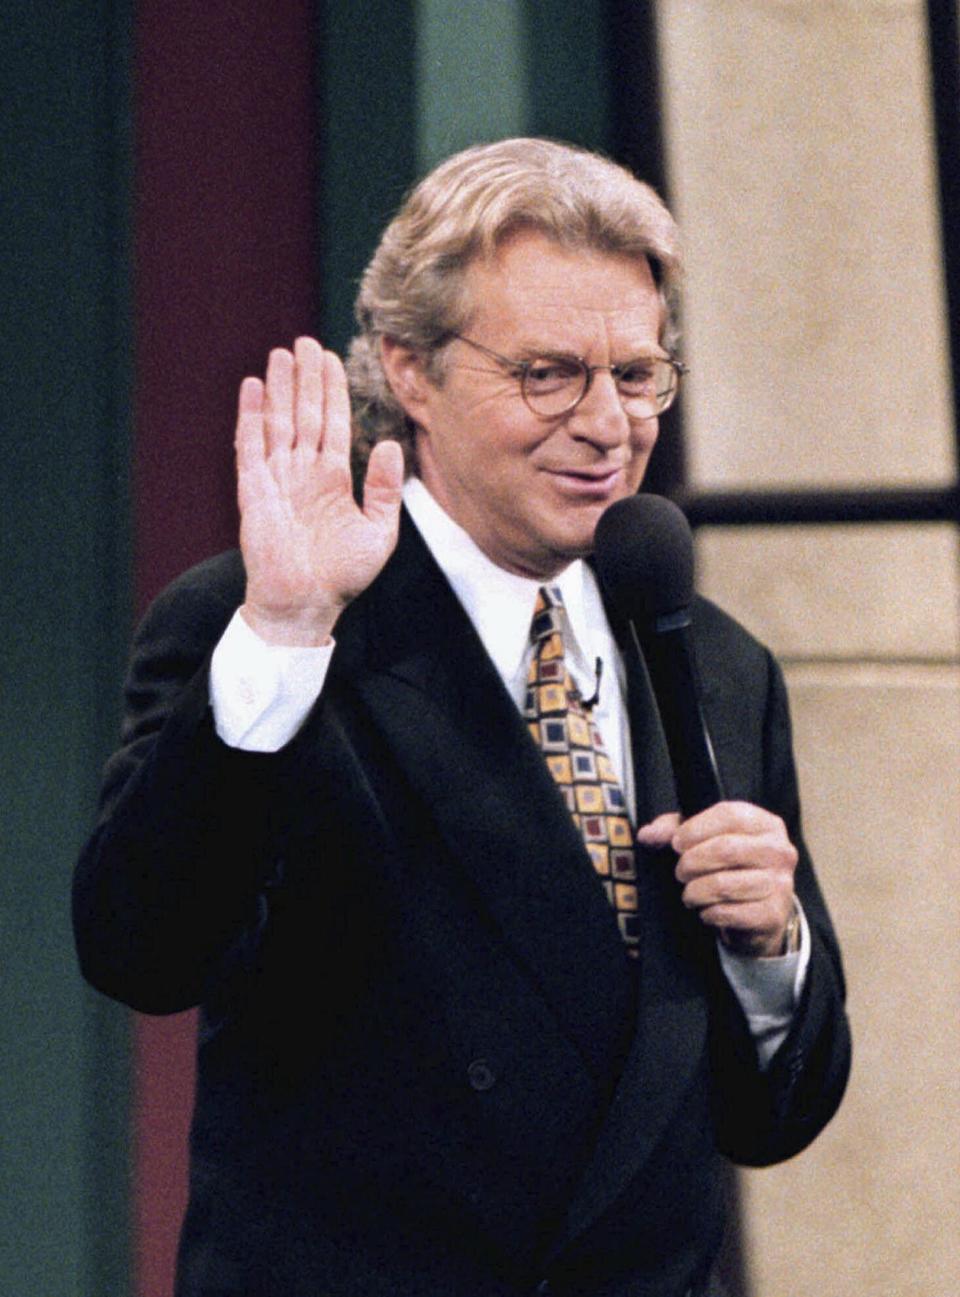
(769, 990)
(261, 693)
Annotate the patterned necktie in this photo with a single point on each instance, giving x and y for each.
(574, 751)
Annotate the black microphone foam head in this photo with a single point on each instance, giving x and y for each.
(644, 553)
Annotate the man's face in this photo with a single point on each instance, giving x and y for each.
(530, 490)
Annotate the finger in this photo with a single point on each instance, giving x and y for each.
(309, 393)
(250, 445)
(249, 434)
(278, 402)
(336, 409)
(725, 817)
(660, 831)
(752, 928)
(755, 921)
(383, 485)
(738, 851)
(732, 888)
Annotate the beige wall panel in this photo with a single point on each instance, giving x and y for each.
(888, 590)
(801, 165)
(873, 1206)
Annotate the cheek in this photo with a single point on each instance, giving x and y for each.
(643, 441)
(510, 445)
(645, 435)
(649, 436)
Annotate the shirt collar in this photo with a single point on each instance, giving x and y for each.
(500, 603)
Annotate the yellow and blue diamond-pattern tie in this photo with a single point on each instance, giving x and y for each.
(571, 743)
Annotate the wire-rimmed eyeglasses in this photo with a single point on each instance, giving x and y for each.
(552, 385)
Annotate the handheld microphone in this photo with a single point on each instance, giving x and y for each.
(644, 554)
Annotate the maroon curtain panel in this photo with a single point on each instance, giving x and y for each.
(223, 238)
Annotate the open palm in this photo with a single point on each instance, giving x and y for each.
(307, 546)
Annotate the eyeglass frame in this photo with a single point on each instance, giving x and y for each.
(522, 368)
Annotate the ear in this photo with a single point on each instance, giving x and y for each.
(406, 373)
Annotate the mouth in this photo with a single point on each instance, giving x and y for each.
(592, 483)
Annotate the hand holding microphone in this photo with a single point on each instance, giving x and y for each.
(736, 865)
(736, 862)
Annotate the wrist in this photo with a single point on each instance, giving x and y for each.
(791, 933)
(786, 942)
(290, 628)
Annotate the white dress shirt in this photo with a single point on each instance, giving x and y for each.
(261, 694)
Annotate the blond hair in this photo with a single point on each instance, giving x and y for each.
(413, 290)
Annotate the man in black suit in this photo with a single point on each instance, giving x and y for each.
(456, 1039)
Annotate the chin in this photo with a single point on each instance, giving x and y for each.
(570, 539)
(570, 548)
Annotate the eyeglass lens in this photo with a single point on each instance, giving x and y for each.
(552, 385)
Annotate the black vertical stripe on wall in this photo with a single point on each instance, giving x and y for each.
(367, 137)
(636, 139)
(943, 35)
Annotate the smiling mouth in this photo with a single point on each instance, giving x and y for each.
(588, 478)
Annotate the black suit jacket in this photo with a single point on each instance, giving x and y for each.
(425, 1066)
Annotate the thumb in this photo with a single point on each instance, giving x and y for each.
(383, 485)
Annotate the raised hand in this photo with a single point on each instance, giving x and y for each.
(307, 547)
(736, 864)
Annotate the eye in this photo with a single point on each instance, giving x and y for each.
(549, 374)
(639, 376)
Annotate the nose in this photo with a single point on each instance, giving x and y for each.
(600, 417)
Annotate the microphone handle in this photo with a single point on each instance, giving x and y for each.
(667, 649)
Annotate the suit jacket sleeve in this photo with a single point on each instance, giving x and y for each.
(168, 883)
(764, 1117)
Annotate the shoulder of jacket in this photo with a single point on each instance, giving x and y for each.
(726, 649)
(199, 602)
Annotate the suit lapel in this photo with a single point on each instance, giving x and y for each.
(419, 667)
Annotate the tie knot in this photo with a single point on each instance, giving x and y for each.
(547, 614)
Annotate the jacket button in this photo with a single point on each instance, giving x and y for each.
(480, 1074)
